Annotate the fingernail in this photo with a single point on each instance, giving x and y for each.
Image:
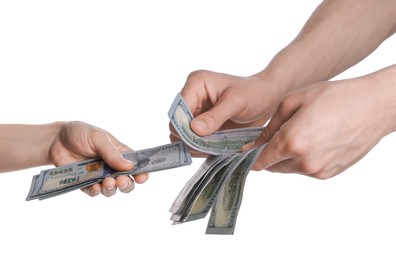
(125, 185)
(132, 164)
(110, 187)
(93, 192)
(200, 124)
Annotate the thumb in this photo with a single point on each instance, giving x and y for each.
(118, 162)
(108, 151)
(209, 122)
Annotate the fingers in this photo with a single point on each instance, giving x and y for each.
(109, 185)
(93, 190)
(262, 139)
(140, 178)
(272, 154)
(285, 111)
(280, 146)
(204, 94)
(194, 153)
(124, 183)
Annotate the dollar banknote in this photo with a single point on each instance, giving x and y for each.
(218, 185)
(221, 142)
(207, 196)
(188, 189)
(59, 180)
(229, 198)
(188, 200)
(223, 170)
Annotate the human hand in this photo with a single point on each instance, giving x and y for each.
(220, 101)
(323, 129)
(78, 141)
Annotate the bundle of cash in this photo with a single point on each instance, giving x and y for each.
(59, 180)
(221, 142)
(218, 184)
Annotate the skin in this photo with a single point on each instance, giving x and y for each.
(311, 117)
(63, 143)
(323, 129)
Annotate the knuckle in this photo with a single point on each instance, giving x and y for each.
(324, 175)
(197, 76)
(196, 81)
(287, 104)
(311, 168)
(98, 134)
(321, 176)
(239, 101)
(258, 166)
(296, 145)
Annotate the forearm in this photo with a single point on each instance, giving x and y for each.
(339, 34)
(381, 90)
(25, 146)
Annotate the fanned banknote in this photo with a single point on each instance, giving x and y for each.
(188, 189)
(59, 180)
(221, 172)
(218, 184)
(229, 198)
(221, 142)
(196, 184)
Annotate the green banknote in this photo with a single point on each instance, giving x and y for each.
(188, 190)
(59, 180)
(221, 142)
(229, 198)
(183, 212)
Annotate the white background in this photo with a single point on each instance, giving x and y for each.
(118, 65)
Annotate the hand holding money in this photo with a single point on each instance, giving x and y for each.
(56, 181)
(221, 142)
(219, 182)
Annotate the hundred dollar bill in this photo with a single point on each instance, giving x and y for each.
(228, 201)
(207, 195)
(59, 180)
(188, 189)
(221, 142)
(220, 171)
(184, 210)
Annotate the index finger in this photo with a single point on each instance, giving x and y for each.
(273, 153)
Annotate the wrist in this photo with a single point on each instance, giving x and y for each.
(277, 79)
(384, 83)
(50, 135)
(295, 67)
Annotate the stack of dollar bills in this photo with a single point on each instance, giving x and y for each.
(60, 180)
(218, 184)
